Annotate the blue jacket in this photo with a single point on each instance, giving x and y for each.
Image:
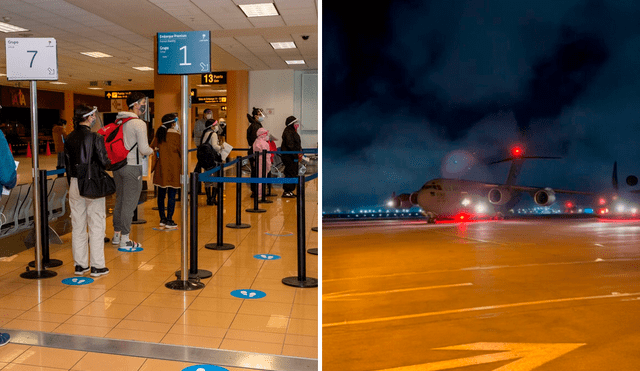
(8, 175)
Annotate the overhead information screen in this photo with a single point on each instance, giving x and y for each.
(184, 53)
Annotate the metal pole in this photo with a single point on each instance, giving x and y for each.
(220, 245)
(185, 171)
(37, 207)
(183, 282)
(263, 186)
(301, 280)
(254, 174)
(238, 224)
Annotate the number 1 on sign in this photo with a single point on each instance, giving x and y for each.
(185, 57)
(32, 58)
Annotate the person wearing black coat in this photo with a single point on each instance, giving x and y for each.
(255, 122)
(86, 212)
(290, 142)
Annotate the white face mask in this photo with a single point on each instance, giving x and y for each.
(208, 116)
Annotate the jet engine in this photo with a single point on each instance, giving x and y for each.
(545, 197)
(499, 196)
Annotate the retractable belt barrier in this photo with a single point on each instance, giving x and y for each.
(301, 280)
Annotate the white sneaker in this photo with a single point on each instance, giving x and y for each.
(116, 238)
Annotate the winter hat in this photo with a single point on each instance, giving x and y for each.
(290, 120)
(262, 132)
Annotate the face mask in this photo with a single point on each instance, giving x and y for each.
(208, 116)
(296, 126)
(261, 119)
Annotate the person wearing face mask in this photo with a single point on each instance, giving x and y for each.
(262, 144)
(290, 142)
(210, 136)
(255, 122)
(167, 167)
(86, 212)
(198, 128)
(222, 129)
(129, 178)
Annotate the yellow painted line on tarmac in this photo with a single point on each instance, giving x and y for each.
(475, 309)
(345, 294)
(528, 355)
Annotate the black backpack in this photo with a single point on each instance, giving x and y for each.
(208, 158)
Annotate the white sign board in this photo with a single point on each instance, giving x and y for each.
(31, 58)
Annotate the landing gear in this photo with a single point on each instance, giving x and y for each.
(431, 218)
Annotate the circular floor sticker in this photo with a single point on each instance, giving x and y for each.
(130, 249)
(267, 257)
(4, 338)
(204, 368)
(248, 294)
(283, 234)
(77, 281)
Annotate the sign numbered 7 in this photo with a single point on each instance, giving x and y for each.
(31, 58)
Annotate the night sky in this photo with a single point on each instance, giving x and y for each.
(416, 90)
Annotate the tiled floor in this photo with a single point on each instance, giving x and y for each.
(132, 302)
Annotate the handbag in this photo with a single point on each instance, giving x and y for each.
(93, 180)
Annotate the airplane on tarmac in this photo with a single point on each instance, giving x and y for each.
(620, 203)
(463, 200)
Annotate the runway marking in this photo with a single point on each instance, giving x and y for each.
(477, 268)
(474, 309)
(531, 355)
(349, 294)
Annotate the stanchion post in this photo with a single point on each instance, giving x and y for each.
(254, 175)
(238, 224)
(220, 245)
(37, 206)
(263, 186)
(301, 280)
(194, 272)
(44, 220)
(183, 283)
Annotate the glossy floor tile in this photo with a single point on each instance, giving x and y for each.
(132, 302)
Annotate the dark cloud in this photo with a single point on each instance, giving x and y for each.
(420, 79)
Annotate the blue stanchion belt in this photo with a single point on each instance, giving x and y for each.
(56, 172)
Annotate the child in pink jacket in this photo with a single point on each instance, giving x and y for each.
(262, 143)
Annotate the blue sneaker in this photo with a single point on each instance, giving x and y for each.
(4, 338)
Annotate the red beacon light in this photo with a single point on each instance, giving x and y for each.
(516, 152)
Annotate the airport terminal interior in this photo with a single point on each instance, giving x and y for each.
(243, 317)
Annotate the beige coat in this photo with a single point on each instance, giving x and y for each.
(167, 167)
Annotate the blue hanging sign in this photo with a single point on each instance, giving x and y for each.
(77, 281)
(204, 368)
(184, 53)
(130, 249)
(267, 257)
(248, 294)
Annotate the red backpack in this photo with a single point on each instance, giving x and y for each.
(114, 142)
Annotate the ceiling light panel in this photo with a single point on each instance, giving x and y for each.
(143, 68)
(97, 54)
(283, 45)
(259, 10)
(296, 61)
(6, 27)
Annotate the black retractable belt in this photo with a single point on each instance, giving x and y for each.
(220, 245)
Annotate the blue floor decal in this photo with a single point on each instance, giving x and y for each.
(77, 281)
(248, 294)
(267, 257)
(204, 368)
(130, 249)
(4, 338)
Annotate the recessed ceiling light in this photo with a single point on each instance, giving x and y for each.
(259, 10)
(57, 83)
(284, 45)
(299, 61)
(5, 27)
(97, 54)
(143, 68)
(95, 88)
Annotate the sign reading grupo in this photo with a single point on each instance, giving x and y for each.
(184, 53)
(31, 59)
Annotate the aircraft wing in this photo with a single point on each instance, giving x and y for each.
(563, 191)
